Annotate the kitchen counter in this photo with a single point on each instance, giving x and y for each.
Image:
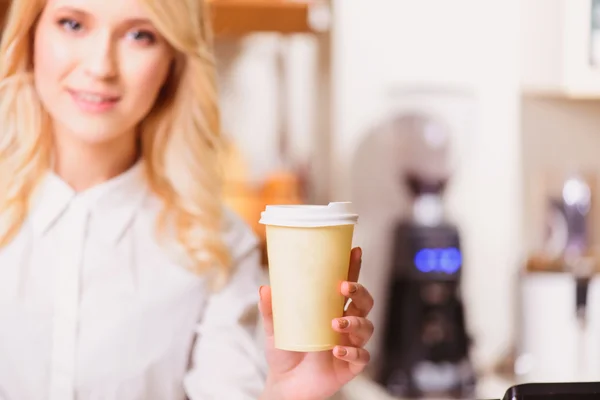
(363, 388)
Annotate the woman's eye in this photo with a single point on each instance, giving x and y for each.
(70, 24)
(142, 36)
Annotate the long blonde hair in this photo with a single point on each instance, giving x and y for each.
(180, 138)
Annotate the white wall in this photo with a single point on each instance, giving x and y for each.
(380, 44)
(466, 43)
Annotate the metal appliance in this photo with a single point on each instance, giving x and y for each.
(425, 346)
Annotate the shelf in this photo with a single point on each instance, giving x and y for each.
(241, 17)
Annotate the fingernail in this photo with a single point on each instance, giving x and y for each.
(343, 323)
(341, 351)
(260, 291)
(360, 252)
(353, 287)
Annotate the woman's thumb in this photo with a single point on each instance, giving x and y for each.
(266, 309)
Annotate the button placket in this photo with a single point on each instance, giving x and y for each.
(71, 244)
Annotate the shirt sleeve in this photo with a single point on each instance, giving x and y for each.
(228, 360)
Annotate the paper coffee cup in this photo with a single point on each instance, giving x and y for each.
(308, 250)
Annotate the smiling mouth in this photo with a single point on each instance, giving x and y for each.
(90, 102)
(94, 98)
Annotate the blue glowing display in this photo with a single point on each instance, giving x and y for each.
(447, 260)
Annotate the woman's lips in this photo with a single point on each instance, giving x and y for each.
(94, 102)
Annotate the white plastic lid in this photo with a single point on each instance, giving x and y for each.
(309, 216)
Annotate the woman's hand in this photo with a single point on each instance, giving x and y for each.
(319, 375)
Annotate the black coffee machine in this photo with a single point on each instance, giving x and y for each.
(426, 345)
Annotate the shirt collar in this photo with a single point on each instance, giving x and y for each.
(112, 203)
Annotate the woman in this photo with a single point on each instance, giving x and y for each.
(110, 129)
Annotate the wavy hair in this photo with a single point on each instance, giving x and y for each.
(180, 138)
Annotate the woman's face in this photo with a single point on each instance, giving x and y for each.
(98, 66)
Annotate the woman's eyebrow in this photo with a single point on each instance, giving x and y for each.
(72, 10)
(130, 21)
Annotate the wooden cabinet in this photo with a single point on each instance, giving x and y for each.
(241, 17)
(4, 5)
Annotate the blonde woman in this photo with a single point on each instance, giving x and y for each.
(121, 277)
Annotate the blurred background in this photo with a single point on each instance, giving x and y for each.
(466, 133)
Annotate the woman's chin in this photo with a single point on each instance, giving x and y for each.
(95, 132)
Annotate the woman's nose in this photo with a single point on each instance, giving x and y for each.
(101, 59)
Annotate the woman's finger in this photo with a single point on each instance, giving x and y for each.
(357, 357)
(362, 301)
(359, 330)
(355, 264)
(266, 309)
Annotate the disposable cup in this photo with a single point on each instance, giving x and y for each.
(308, 250)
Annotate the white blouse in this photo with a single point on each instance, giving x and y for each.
(91, 308)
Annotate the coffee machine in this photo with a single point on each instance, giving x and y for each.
(425, 346)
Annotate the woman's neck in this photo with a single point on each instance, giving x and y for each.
(84, 165)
